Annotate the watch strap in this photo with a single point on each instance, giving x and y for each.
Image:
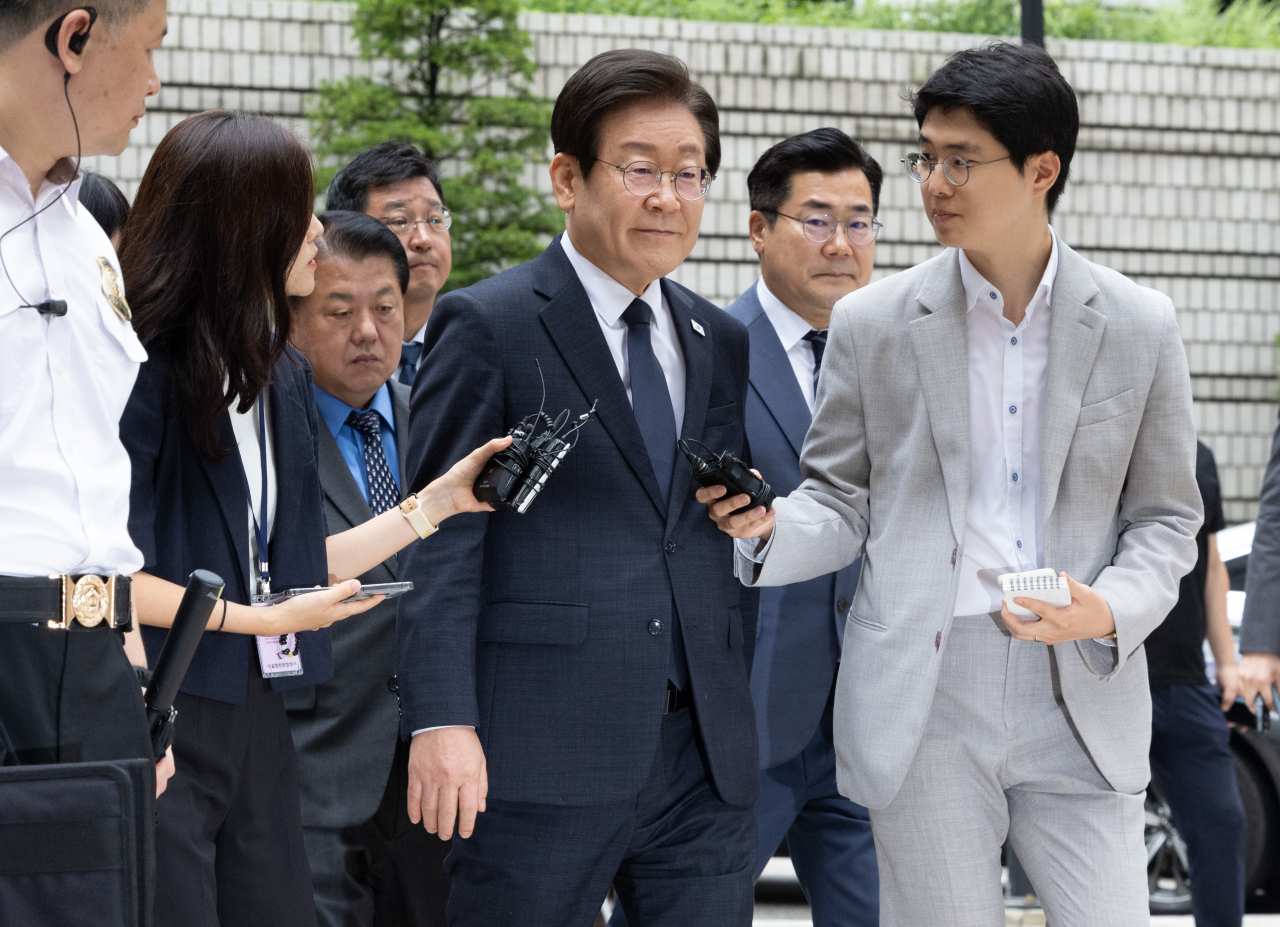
(411, 509)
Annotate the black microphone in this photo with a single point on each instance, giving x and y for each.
(54, 307)
(203, 591)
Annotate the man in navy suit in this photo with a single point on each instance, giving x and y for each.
(575, 678)
(813, 204)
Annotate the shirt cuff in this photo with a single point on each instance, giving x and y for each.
(440, 727)
(747, 547)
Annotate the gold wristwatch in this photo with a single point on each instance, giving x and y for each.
(411, 509)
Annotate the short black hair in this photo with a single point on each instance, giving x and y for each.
(384, 164)
(619, 78)
(1018, 94)
(19, 18)
(104, 200)
(827, 150)
(357, 236)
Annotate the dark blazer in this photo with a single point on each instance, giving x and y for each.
(801, 626)
(345, 730)
(187, 512)
(536, 628)
(1260, 630)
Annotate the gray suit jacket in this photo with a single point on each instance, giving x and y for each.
(345, 730)
(1260, 632)
(886, 466)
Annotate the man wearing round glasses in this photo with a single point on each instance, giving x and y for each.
(1005, 407)
(813, 205)
(575, 678)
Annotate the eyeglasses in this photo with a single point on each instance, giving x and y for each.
(644, 177)
(438, 222)
(954, 168)
(820, 228)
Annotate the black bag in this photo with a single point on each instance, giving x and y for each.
(77, 844)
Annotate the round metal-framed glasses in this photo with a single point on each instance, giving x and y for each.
(820, 228)
(644, 177)
(954, 168)
(403, 226)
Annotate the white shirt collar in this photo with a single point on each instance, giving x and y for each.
(609, 298)
(420, 337)
(790, 327)
(976, 286)
(12, 174)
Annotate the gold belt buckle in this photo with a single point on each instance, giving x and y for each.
(88, 599)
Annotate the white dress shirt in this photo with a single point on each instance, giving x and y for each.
(791, 330)
(64, 383)
(245, 428)
(1007, 367)
(610, 299)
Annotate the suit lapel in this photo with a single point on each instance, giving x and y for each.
(400, 412)
(941, 343)
(226, 476)
(698, 361)
(575, 329)
(774, 380)
(1074, 337)
(339, 485)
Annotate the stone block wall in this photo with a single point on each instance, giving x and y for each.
(1175, 181)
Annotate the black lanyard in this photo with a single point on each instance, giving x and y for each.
(260, 525)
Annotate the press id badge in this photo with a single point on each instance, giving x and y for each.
(279, 655)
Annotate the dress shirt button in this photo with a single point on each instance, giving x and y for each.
(1013, 340)
(655, 627)
(842, 605)
(993, 294)
(671, 547)
(1013, 410)
(1019, 545)
(1015, 477)
(392, 686)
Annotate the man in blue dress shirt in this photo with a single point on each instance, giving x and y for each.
(367, 861)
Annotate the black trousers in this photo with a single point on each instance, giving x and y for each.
(386, 872)
(677, 855)
(229, 850)
(1192, 766)
(68, 697)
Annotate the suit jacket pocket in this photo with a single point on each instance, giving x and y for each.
(533, 623)
(722, 415)
(1108, 409)
(867, 622)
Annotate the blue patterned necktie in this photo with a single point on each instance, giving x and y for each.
(410, 354)
(818, 341)
(383, 492)
(650, 398)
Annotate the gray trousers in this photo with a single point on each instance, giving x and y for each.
(1000, 758)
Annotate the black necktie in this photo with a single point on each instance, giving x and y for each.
(410, 353)
(651, 403)
(650, 398)
(383, 492)
(818, 341)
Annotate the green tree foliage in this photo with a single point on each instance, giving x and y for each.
(456, 82)
(1244, 24)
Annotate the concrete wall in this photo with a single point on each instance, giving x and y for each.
(1174, 182)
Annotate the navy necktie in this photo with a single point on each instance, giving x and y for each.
(818, 341)
(410, 353)
(650, 398)
(383, 492)
(651, 403)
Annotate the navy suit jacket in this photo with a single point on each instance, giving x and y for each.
(188, 512)
(801, 626)
(539, 629)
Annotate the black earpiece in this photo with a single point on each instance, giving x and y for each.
(77, 42)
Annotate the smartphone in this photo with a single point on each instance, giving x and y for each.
(390, 590)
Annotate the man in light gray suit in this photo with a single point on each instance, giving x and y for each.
(1003, 407)
(368, 863)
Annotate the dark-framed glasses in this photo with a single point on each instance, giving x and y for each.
(820, 228)
(955, 168)
(644, 177)
(438, 222)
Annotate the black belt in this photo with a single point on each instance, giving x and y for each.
(677, 699)
(80, 602)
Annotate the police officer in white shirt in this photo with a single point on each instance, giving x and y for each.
(73, 83)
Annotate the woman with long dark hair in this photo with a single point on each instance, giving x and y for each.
(222, 432)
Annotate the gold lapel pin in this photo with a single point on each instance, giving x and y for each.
(112, 291)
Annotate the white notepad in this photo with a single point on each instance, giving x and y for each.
(1045, 585)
